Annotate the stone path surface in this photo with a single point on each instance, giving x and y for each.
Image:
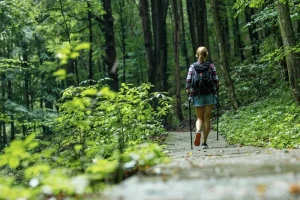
(221, 172)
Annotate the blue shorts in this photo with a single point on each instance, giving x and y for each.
(202, 100)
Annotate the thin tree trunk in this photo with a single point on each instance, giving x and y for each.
(72, 64)
(237, 38)
(176, 17)
(145, 17)
(26, 75)
(298, 30)
(197, 17)
(252, 34)
(182, 39)
(223, 62)
(9, 97)
(200, 16)
(141, 75)
(292, 58)
(110, 49)
(225, 26)
(123, 36)
(26, 78)
(1, 135)
(4, 134)
(159, 13)
(190, 7)
(90, 77)
(205, 27)
(279, 44)
(12, 128)
(2, 123)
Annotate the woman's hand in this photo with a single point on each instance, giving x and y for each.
(187, 91)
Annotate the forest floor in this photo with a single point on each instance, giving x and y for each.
(221, 172)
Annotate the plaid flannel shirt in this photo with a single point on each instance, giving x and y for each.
(190, 74)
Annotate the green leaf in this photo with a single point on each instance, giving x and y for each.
(33, 145)
(89, 92)
(107, 92)
(37, 170)
(29, 138)
(74, 55)
(78, 147)
(17, 148)
(60, 74)
(82, 46)
(3, 160)
(13, 162)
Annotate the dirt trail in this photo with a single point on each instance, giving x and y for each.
(221, 172)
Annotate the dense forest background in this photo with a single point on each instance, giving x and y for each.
(85, 83)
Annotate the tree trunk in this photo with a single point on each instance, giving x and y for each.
(26, 75)
(110, 49)
(225, 26)
(159, 14)
(279, 44)
(252, 34)
(223, 55)
(183, 40)
(90, 77)
(190, 7)
(197, 17)
(12, 128)
(71, 66)
(239, 46)
(145, 17)
(298, 30)
(2, 123)
(176, 17)
(121, 4)
(201, 21)
(9, 97)
(292, 58)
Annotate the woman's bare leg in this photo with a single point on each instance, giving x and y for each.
(200, 117)
(207, 115)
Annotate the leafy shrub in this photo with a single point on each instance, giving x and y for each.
(98, 137)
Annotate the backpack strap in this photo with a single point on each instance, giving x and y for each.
(194, 71)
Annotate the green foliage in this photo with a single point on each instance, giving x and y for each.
(67, 52)
(147, 155)
(111, 119)
(271, 122)
(18, 151)
(98, 134)
(254, 80)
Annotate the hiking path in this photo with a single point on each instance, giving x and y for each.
(221, 172)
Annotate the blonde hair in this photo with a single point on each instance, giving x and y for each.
(201, 54)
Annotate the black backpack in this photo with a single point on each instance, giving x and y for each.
(202, 80)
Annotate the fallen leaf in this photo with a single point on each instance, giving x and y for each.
(261, 188)
(294, 189)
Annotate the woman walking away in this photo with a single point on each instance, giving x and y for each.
(201, 85)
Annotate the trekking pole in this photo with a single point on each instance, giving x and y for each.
(218, 115)
(190, 123)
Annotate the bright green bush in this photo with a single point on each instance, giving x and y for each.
(98, 136)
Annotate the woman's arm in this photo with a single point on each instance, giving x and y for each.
(214, 75)
(188, 79)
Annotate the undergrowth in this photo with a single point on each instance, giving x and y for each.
(273, 121)
(99, 138)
